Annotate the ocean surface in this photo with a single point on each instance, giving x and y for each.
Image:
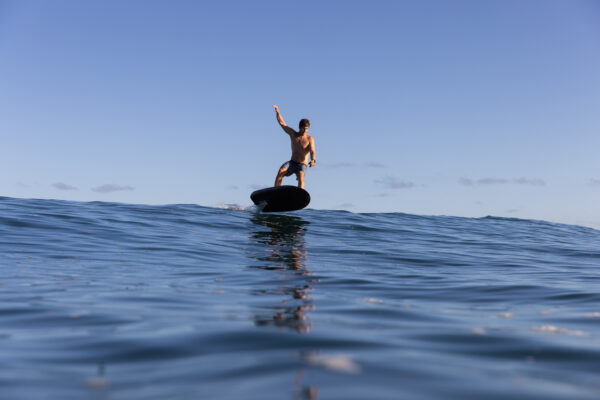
(119, 301)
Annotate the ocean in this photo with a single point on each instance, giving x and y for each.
(120, 301)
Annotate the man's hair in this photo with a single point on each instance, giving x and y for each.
(304, 123)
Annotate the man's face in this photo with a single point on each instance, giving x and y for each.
(304, 129)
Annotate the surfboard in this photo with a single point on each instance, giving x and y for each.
(281, 198)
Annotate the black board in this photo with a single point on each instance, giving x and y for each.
(281, 198)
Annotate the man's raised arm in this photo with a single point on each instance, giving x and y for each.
(286, 128)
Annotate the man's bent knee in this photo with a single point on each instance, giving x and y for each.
(281, 173)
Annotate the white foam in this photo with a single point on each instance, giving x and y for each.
(236, 207)
(260, 206)
(336, 362)
(554, 329)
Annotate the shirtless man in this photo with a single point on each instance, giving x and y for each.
(302, 145)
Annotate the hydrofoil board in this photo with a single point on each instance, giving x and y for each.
(281, 198)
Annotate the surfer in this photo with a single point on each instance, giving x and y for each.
(302, 145)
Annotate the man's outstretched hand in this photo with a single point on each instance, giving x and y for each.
(275, 107)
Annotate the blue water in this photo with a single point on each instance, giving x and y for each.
(116, 301)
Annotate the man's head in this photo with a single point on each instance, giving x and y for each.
(304, 125)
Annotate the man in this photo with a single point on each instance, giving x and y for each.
(302, 145)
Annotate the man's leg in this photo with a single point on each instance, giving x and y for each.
(300, 178)
(279, 176)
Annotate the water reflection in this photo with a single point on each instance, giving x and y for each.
(282, 250)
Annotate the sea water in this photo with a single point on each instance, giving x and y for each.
(117, 301)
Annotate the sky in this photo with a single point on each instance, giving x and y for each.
(449, 107)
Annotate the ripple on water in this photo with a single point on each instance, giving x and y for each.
(182, 301)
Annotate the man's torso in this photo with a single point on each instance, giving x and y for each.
(300, 147)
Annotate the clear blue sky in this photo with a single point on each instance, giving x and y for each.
(467, 108)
